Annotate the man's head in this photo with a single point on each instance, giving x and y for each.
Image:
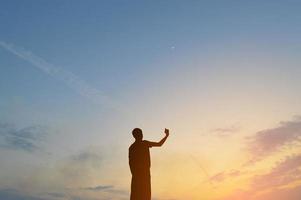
(137, 134)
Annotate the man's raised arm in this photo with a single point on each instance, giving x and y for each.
(161, 142)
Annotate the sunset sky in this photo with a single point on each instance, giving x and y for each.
(77, 76)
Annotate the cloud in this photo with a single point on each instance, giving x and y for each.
(291, 193)
(107, 188)
(218, 177)
(99, 188)
(86, 156)
(275, 183)
(234, 173)
(56, 195)
(25, 139)
(285, 172)
(70, 178)
(118, 192)
(226, 131)
(67, 77)
(79, 169)
(11, 194)
(222, 176)
(268, 141)
(280, 194)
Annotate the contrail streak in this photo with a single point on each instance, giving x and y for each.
(203, 170)
(70, 79)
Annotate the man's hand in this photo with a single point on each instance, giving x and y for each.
(166, 131)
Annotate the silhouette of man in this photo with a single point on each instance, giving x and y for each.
(139, 160)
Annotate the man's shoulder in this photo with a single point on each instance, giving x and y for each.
(147, 143)
(132, 145)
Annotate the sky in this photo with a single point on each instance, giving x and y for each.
(77, 76)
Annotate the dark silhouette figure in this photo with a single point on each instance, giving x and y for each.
(139, 160)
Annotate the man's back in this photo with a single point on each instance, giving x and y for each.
(139, 156)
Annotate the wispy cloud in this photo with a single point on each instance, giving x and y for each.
(86, 156)
(55, 195)
(107, 188)
(70, 79)
(291, 193)
(278, 182)
(11, 194)
(220, 177)
(269, 141)
(71, 178)
(78, 169)
(274, 184)
(25, 139)
(226, 131)
(286, 171)
(99, 188)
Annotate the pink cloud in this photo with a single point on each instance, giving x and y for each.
(268, 141)
(225, 132)
(219, 177)
(286, 172)
(269, 186)
(282, 194)
(276, 194)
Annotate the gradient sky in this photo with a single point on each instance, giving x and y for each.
(77, 76)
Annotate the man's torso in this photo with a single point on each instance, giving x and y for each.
(139, 156)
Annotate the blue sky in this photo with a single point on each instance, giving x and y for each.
(198, 67)
(121, 40)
